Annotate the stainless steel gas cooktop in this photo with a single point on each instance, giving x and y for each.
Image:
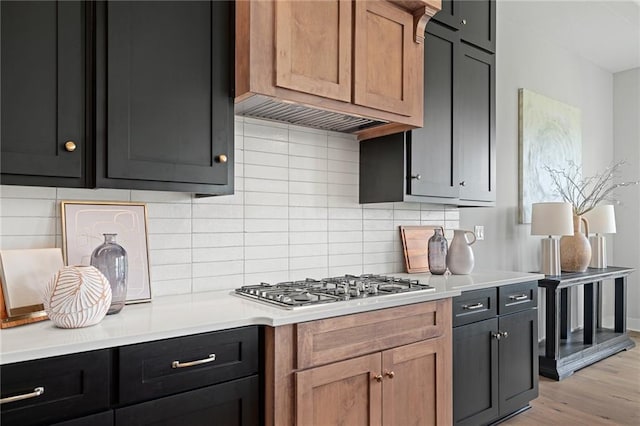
(295, 294)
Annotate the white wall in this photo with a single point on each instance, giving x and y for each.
(295, 214)
(626, 112)
(527, 60)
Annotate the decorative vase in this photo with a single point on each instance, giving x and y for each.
(460, 257)
(437, 252)
(77, 296)
(575, 250)
(111, 259)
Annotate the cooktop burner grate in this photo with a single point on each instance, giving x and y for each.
(294, 294)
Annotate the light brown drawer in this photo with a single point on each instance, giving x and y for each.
(474, 305)
(334, 339)
(517, 297)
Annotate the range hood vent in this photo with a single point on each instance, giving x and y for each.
(268, 108)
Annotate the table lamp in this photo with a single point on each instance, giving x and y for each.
(602, 220)
(551, 219)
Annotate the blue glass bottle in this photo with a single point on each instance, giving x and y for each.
(110, 258)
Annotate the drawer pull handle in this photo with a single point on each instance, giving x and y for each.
(178, 364)
(36, 392)
(473, 307)
(519, 297)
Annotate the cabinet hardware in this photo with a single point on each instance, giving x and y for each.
(463, 183)
(36, 392)
(519, 297)
(378, 377)
(497, 335)
(463, 22)
(416, 177)
(473, 307)
(70, 146)
(390, 374)
(222, 158)
(504, 334)
(178, 364)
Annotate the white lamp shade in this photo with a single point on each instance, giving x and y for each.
(551, 219)
(602, 219)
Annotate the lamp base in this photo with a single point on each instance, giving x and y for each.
(550, 256)
(598, 252)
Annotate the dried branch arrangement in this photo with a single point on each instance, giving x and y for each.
(586, 193)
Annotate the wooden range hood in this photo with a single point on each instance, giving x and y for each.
(351, 66)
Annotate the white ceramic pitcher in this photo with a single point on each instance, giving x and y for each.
(460, 256)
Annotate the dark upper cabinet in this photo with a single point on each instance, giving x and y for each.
(475, 19)
(433, 149)
(164, 111)
(475, 122)
(142, 89)
(452, 159)
(43, 93)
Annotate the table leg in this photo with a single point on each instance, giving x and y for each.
(552, 324)
(621, 305)
(599, 303)
(565, 313)
(590, 316)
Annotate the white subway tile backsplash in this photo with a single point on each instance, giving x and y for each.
(265, 185)
(25, 207)
(266, 238)
(294, 214)
(215, 269)
(266, 172)
(265, 145)
(35, 192)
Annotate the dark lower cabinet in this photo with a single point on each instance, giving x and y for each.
(101, 419)
(495, 366)
(43, 93)
(231, 403)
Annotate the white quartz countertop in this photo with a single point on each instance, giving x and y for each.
(174, 316)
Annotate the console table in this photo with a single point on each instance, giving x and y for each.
(563, 351)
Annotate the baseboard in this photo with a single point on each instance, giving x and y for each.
(632, 323)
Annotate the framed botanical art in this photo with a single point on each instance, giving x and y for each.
(550, 135)
(84, 225)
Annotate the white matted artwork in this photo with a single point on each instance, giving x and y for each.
(549, 134)
(83, 226)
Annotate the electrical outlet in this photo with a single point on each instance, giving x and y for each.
(479, 231)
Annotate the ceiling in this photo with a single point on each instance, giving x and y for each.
(606, 33)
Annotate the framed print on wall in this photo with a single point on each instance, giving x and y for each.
(549, 134)
(83, 226)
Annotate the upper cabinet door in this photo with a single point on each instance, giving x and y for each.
(313, 47)
(169, 113)
(475, 96)
(477, 22)
(43, 92)
(474, 18)
(388, 63)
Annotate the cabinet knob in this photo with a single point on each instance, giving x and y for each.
(70, 146)
(463, 22)
(222, 158)
(497, 335)
(378, 377)
(504, 334)
(463, 183)
(416, 177)
(390, 374)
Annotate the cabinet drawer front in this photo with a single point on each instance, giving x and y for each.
(517, 297)
(154, 369)
(334, 339)
(474, 305)
(231, 403)
(73, 385)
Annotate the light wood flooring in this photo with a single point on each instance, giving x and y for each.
(604, 393)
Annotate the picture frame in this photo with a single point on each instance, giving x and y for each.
(549, 135)
(83, 226)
